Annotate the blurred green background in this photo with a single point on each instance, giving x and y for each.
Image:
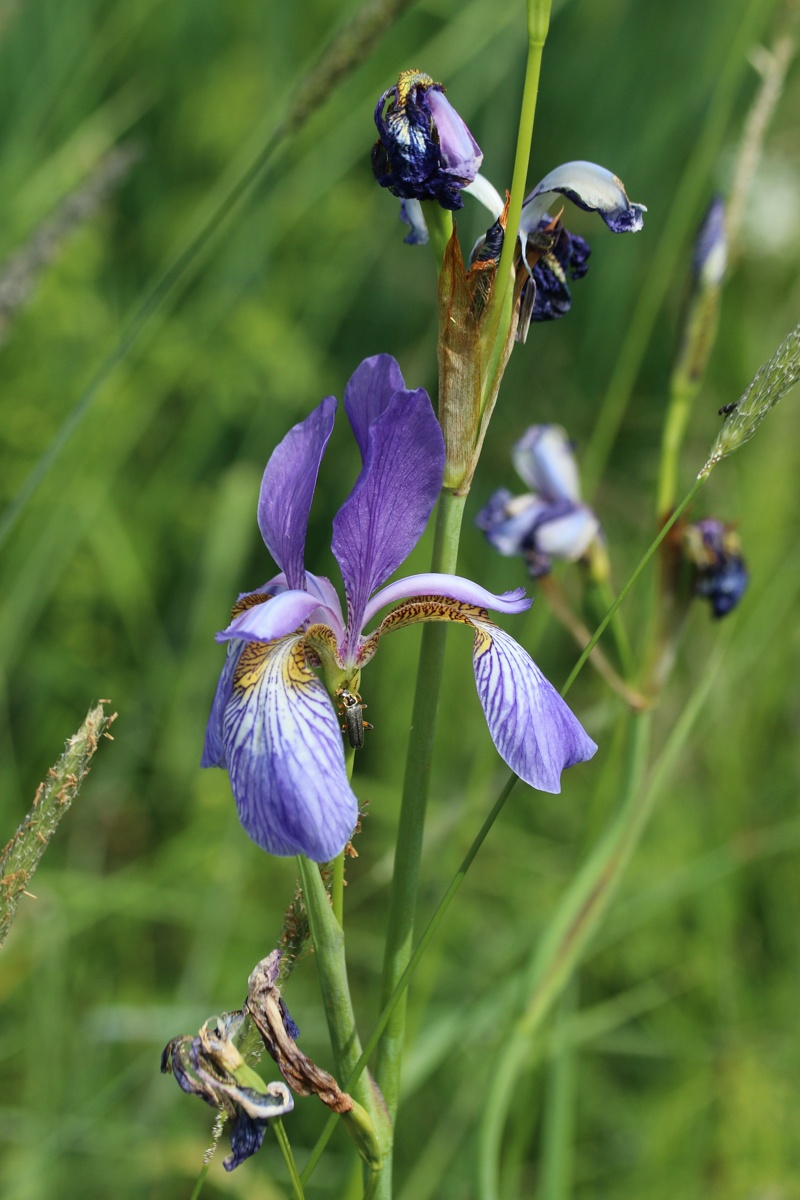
(151, 905)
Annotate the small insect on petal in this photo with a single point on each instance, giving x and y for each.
(352, 710)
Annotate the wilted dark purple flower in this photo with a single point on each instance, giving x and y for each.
(210, 1066)
(715, 551)
(562, 255)
(555, 254)
(550, 521)
(272, 724)
(424, 150)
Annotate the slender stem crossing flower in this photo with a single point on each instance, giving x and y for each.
(273, 723)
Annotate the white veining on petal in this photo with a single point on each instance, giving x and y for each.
(285, 756)
(534, 730)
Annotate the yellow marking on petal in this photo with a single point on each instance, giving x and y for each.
(483, 642)
(250, 667)
(248, 602)
(428, 608)
(254, 659)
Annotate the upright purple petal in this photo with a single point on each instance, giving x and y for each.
(384, 516)
(368, 392)
(283, 746)
(287, 490)
(534, 731)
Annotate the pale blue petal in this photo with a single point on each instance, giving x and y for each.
(534, 730)
(330, 610)
(285, 756)
(544, 459)
(591, 188)
(411, 214)
(568, 537)
(273, 619)
(487, 195)
(453, 586)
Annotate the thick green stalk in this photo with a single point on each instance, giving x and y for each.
(414, 802)
(337, 882)
(538, 25)
(328, 940)
(416, 958)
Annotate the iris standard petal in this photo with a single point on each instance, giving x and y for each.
(544, 459)
(287, 489)
(592, 188)
(368, 392)
(284, 752)
(274, 618)
(385, 515)
(534, 730)
(452, 587)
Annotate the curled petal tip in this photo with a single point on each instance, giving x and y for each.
(590, 187)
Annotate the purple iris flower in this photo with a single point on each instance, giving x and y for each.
(715, 551)
(424, 150)
(273, 724)
(550, 521)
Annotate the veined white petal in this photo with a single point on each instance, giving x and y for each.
(534, 730)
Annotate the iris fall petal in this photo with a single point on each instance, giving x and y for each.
(285, 757)
(534, 730)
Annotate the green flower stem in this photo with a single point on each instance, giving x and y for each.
(538, 25)
(440, 228)
(328, 940)
(414, 962)
(400, 931)
(337, 882)
(286, 1150)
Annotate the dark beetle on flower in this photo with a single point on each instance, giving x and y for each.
(353, 712)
